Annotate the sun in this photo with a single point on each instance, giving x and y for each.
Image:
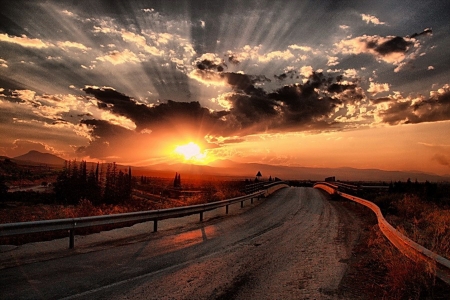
(190, 151)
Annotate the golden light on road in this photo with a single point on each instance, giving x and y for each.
(191, 151)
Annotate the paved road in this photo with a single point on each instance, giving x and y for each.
(292, 245)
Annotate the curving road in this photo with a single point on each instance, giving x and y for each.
(292, 245)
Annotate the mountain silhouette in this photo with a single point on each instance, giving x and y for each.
(40, 158)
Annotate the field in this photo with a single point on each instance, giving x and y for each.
(155, 193)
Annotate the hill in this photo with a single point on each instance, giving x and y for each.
(40, 158)
(249, 170)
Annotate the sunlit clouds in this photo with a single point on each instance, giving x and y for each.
(372, 19)
(23, 41)
(134, 80)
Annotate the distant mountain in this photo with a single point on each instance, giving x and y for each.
(40, 158)
(249, 170)
(228, 168)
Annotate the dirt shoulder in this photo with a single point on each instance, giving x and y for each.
(377, 270)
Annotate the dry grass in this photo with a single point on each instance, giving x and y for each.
(425, 223)
(377, 270)
(404, 278)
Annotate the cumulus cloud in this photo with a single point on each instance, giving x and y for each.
(434, 108)
(306, 106)
(276, 55)
(23, 41)
(140, 41)
(350, 73)
(371, 19)
(306, 71)
(117, 57)
(210, 61)
(253, 53)
(376, 88)
(164, 41)
(332, 61)
(68, 44)
(391, 49)
(298, 47)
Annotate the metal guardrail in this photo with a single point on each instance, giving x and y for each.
(71, 224)
(253, 187)
(408, 247)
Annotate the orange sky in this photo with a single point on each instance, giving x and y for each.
(405, 148)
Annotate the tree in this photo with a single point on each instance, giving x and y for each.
(93, 189)
(177, 181)
(3, 188)
(109, 194)
(74, 183)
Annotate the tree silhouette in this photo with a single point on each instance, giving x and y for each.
(177, 181)
(75, 183)
(3, 188)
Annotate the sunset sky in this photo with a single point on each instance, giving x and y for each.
(362, 84)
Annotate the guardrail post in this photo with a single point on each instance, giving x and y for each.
(71, 238)
(226, 210)
(155, 225)
(201, 216)
(251, 200)
(242, 204)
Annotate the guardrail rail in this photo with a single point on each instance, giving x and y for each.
(71, 224)
(405, 245)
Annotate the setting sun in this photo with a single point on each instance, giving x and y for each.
(190, 151)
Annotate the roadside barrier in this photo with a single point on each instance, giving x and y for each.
(405, 245)
(71, 224)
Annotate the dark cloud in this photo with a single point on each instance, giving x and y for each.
(339, 88)
(104, 129)
(426, 31)
(233, 59)
(289, 74)
(305, 106)
(436, 108)
(396, 44)
(206, 64)
(239, 82)
(380, 100)
(245, 83)
(160, 117)
(295, 106)
(108, 140)
(301, 105)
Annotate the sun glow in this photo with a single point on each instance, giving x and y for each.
(191, 151)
